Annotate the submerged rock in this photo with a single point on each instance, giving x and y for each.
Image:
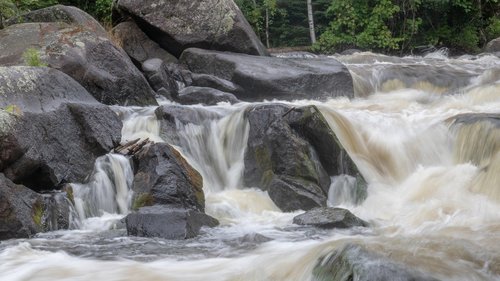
(353, 262)
(101, 67)
(259, 78)
(292, 153)
(167, 222)
(137, 44)
(39, 89)
(329, 218)
(43, 150)
(205, 96)
(164, 177)
(177, 25)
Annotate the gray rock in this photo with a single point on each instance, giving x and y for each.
(60, 13)
(167, 222)
(354, 262)
(21, 210)
(101, 67)
(260, 78)
(39, 89)
(177, 25)
(137, 44)
(204, 80)
(493, 46)
(329, 218)
(164, 177)
(43, 150)
(205, 96)
(292, 153)
(161, 78)
(472, 118)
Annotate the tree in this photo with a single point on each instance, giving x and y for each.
(310, 17)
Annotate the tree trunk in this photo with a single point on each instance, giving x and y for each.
(267, 28)
(311, 21)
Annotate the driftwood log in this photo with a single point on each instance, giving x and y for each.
(131, 147)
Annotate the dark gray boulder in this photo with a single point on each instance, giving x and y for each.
(329, 218)
(177, 25)
(164, 177)
(259, 78)
(493, 46)
(204, 95)
(137, 44)
(43, 150)
(354, 262)
(162, 78)
(101, 67)
(473, 118)
(167, 222)
(21, 210)
(292, 153)
(39, 89)
(204, 80)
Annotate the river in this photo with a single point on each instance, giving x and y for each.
(431, 203)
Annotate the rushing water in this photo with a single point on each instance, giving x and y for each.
(433, 198)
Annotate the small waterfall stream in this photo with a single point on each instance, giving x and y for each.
(433, 188)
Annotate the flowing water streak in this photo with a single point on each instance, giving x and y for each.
(108, 190)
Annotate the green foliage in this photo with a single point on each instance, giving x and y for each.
(7, 9)
(29, 5)
(493, 29)
(32, 57)
(103, 10)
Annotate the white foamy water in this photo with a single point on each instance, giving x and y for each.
(433, 195)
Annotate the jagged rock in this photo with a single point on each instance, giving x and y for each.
(137, 44)
(493, 46)
(204, 80)
(39, 89)
(60, 13)
(21, 210)
(329, 218)
(167, 222)
(259, 78)
(354, 262)
(43, 150)
(161, 78)
(177, 25)
(164, 177)
(101, 67)
(292, 153)
(205, 96)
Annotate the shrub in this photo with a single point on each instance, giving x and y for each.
(32, 57)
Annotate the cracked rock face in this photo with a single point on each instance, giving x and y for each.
(210, 24)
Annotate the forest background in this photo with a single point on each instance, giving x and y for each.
(329, 26)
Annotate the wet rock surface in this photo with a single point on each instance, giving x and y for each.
(177, 25)
(167, 222)
(493, 46)
(354, 262)
(329, 218)
(204, 96)
(260, 78)
(164, 177)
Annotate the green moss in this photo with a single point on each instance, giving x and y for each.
(32, 57)
(142, 200)
(37, 214)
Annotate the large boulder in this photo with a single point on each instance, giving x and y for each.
(292, 153)
(329, 218)
(493, 46)
(260, 78)
(92, 60)
(167, 222)
(205, 80)
(177, 25)
(204, 95)
(23, 212)
(162, 77)
(60, 13)
(164, 177)
(44, 150)
(39, 89)
(137, 44)
(354, 262)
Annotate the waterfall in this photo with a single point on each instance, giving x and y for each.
(108, 190)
